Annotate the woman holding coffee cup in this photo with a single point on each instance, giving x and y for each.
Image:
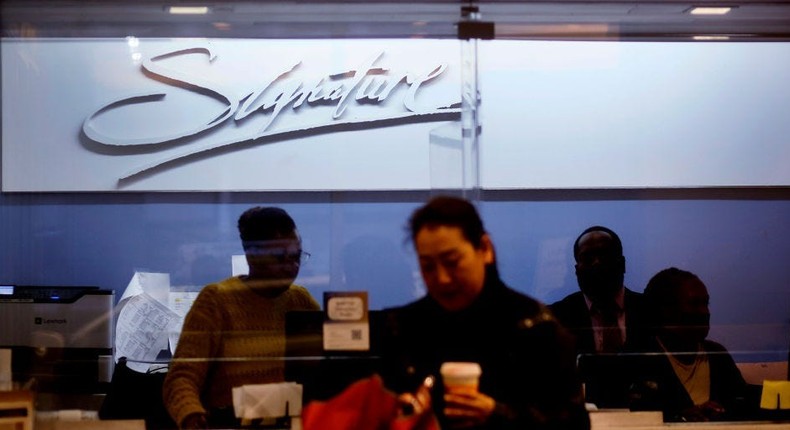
(500, 358)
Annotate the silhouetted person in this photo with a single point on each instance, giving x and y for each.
(603, 316)
(682, 373)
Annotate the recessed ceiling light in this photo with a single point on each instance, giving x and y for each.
(188, 10)
(711, 37)
(707, 10)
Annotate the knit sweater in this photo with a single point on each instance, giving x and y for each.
(231, 336)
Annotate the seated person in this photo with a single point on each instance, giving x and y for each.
(690, 378)
(604, 316)
(240, 317)
(528, 370)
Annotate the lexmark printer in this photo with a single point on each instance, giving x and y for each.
(60, 337)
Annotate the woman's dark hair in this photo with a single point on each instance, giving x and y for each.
(662, 291)
(265, 223)
(449, 211)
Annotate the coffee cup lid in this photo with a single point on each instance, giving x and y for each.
(459, 368)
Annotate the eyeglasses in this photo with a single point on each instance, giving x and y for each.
(303, 257)
(280, 254)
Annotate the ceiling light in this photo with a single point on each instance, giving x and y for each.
(188, 10)
(710, 10)
(711, 37)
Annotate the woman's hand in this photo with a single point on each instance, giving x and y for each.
(713, 410)
(194, 421)
(468, 408)
(708, 411)
(418, 402)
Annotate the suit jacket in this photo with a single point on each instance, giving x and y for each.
(606, 385)
(572, 313)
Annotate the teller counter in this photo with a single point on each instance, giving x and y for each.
(90, 425)
(599, 421)
(623, 419)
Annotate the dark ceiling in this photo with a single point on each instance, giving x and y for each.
(581, 20)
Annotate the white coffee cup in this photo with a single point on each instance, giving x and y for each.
(460, 376)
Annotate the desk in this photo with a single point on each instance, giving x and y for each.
(625, 420)
(91, 425)
(605, 419)
(746, 425)
(16, 408)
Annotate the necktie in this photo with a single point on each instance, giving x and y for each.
(612, 337)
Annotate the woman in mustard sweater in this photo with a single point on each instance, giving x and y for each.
(234, 334)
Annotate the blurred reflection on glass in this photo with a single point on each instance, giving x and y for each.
(234, 333)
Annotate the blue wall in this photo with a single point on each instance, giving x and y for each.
(737, 241)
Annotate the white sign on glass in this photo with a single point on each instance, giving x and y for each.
(292, 115)
(223, 114)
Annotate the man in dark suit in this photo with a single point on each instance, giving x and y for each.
(604, 316)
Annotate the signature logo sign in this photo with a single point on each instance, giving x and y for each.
(368, 84)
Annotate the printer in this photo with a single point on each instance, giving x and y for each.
(61, 338)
